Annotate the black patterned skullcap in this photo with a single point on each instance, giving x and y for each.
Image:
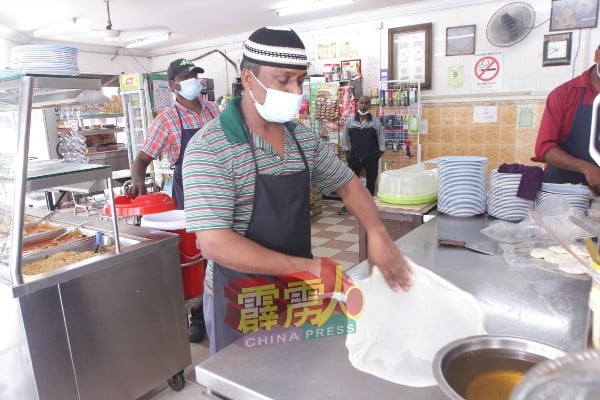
(276, 47)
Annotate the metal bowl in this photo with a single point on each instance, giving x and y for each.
(574, 376)
(473, 367)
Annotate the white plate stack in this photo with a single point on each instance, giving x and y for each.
(502, 201)
(44, 59)
(578, 196)
(462, 185)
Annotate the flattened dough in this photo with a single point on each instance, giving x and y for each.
(540, 252)
(398, 334)
(558, 249)
(556, 258)
(572, 268)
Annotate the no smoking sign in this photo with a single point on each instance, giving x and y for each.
(487, 68)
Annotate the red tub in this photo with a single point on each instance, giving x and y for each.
(192, 263)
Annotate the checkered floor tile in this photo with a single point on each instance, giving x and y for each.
(335, 236)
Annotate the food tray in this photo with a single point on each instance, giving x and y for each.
(44, 235)
(87, 244)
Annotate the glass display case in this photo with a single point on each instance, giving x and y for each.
(19, 175)
(77, 329)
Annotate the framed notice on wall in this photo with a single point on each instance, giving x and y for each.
(573, 14)
(460, 40)
(557, 49)
(409, 54)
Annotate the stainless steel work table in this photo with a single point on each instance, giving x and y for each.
(531, 303)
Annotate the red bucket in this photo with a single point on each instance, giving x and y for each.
(193, 264)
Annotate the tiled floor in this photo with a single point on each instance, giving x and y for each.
(334, 236)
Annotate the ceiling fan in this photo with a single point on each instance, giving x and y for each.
(65, 30)
(131, 36)
(109, 33)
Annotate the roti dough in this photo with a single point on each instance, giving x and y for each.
(572, 268)
(540, 252)
(558, 249)
(398, 334)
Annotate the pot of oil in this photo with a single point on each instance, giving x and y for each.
(488, 367)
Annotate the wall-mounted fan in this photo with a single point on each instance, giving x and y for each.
(510, 24)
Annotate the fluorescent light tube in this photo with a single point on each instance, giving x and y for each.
(310, 6)
(148, 40)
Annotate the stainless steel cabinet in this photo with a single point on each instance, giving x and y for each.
(109, 327)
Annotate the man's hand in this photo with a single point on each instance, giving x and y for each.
(592, 175)
(135, 189)
(384, 254)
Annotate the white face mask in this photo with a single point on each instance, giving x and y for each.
(190, 88)
(279, 107)
(363, 112)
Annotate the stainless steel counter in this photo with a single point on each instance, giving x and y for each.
(534, 304)
(83, 331)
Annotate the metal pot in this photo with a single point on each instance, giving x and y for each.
(481, 363)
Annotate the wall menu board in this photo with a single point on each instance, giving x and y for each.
(410, 54)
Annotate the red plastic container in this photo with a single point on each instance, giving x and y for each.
(145, 204)
(193, 265)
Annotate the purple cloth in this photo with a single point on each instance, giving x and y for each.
(531, 179)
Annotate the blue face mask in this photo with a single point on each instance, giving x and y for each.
(190, 88)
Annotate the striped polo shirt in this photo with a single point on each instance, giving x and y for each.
(219, 171)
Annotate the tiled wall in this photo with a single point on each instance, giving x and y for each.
(452, 132)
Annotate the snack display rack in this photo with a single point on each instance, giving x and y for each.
(399, 115)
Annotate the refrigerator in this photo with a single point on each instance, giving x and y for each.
(143, 96)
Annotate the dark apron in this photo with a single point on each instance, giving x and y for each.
(280, 221)
(577, 145)
(186, 135)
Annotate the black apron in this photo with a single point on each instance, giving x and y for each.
(280, 221)
(186, 135)
(577, 145)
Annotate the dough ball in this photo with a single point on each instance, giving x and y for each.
(540, 252)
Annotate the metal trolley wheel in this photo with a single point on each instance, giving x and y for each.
(177, 382)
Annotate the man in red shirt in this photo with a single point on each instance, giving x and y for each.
(564, 134)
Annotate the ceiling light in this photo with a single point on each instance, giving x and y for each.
(69, 25)
(310, 6)
(148, 40)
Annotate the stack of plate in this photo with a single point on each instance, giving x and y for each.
(578, 196)
(502, 201)
(462, 185)
(44, 59)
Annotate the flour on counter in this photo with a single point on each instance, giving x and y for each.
(398, 334)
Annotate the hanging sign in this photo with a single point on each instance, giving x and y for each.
(487, 71)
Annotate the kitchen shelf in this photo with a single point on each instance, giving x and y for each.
(89, 132)
(65, 174)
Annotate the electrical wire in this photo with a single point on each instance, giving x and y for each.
(576, 54)
(235, 66)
